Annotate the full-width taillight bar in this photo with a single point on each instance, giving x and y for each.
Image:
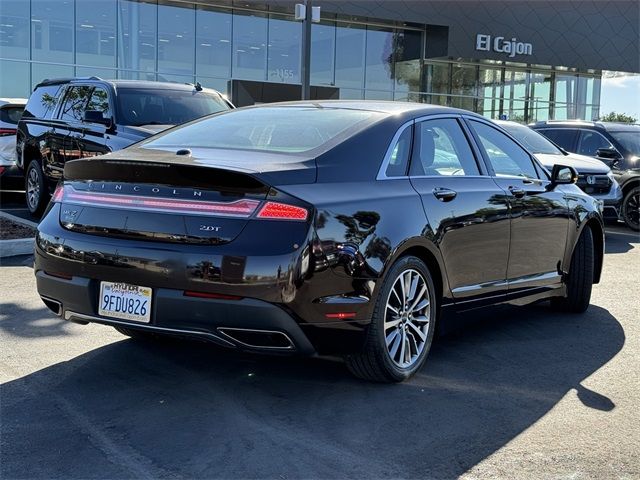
(240, 208)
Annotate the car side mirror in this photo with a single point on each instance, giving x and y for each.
(609, 153)
(563, 175)
(96, 116)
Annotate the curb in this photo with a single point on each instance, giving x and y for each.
(19, 246)
(13, 248)
(13, 218)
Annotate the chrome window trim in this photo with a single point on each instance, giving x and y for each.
(382, 172)
(382, 175)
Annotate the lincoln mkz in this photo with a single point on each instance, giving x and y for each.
(329, 227)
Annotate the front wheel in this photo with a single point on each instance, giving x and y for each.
(402, 327)
(631, 209)
(580, 279)
(35, 189)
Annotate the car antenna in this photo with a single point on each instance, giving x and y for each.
(198, 87)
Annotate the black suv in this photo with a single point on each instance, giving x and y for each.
(66, 119)
(616, 144)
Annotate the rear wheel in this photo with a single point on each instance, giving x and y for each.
(631, 209)
(35, 189)
(580, 280)
(402, 327)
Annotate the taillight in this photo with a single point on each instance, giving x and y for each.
(282, 211)
(5, 132)
(239, 208)
(58, 194)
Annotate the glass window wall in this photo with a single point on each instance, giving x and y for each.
(213, 42)
(176, 40)
(323, 48)
(249, 46)
(137, 27)
(379, 59)
(463, 86)
(350, 55)
(283, 60)
(14, 29)
(96, 33)
(52, 31)
(14, 79)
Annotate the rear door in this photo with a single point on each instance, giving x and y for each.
(71, 127)
(91, 140)
(467, 210)
(539, 217)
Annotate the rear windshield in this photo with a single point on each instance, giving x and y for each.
(11, 114)
(272, 129)
(139, 106)
(42, 102)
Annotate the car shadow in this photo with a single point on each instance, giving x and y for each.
(620, 242)
(177, 409)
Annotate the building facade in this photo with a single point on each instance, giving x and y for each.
(524, 60)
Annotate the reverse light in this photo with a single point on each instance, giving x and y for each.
(282, 211)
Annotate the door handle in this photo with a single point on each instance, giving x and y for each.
(517, 192)
(444, 194)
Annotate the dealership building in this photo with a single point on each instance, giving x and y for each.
(527, 60)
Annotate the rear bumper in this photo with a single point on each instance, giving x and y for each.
(246, 324)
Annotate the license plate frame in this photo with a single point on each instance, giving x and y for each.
(125, 301)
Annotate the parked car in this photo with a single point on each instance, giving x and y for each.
(617, 144)
(67, 119)
(316, 227)
(594, 177)
(10, 112)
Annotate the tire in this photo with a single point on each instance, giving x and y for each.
(36, 193)
(631, 209)
(136, 334)
(580, 279)
(381, 359)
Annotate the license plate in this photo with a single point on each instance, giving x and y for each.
(124, 301)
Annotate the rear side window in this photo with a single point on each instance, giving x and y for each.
(441, 149)
(399, 159)
(590, 142)
(565, 137)
(11, 114)
(75, 102)
(42, 102)
(271, 129)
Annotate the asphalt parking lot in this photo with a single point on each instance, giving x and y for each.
(516, 393)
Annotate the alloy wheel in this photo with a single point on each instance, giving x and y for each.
(33, 189)
(632, 209)
(407, 318)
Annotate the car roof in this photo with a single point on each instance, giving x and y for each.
(383, 106)
(586, 124)
(12, 101)
(119, 83)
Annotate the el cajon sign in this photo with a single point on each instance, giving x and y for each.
(502, 45)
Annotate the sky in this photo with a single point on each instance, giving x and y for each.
(621, 95)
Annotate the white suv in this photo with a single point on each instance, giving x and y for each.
(10, 112)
